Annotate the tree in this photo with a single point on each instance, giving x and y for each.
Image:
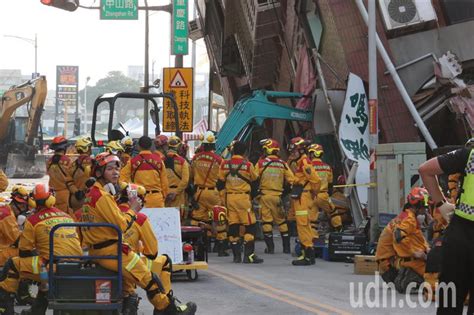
(115, 82)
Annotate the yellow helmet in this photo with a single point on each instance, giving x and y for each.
(174, 142)
(20, 194)
(209, 137)
(83, 144)
(114, 147)
(316, 149)
(270, 146)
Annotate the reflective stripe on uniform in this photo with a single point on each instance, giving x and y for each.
(35, 264)
(301, 212)
(465, 207)
(133, 262)
(149, 263)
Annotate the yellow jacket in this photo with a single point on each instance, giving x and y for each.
(306, 175)
(273, 172)
(60, 168)
(148, 170)
(385, 248)
(177, 171)
(9, 231)
(35, 235)
(324, 172)
(235, 184)
(140, 231)
(200, 165)
(100, 207)
(412, 236)
(3, 181)
(81, 170)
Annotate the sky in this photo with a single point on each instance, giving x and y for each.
(81, 39)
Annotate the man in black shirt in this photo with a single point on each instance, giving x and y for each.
(458, 245)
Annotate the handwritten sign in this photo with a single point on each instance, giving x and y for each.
(354, 132)
(167, 228)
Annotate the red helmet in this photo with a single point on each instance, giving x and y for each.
(270, 146)
(42, 196)
(219, 214)
(418, 196)
(102, 159)
(59, 143)
(161, 140)
(297, 143)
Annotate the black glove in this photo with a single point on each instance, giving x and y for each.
(79, 195)
(296, 191)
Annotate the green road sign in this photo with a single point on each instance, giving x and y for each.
(119, 9)
(179, 39)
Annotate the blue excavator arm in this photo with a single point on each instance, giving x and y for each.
(253, 110)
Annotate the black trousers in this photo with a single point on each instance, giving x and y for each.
(457, 266)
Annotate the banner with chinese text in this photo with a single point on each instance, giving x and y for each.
(354, 132)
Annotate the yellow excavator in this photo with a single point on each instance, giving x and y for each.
(20, 139)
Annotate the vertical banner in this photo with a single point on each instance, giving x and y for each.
(67, 81)
(354, 132)
(179, 82)
(179, 28)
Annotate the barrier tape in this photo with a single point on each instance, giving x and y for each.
(356, 185)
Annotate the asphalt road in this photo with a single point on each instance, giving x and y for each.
(276, 287)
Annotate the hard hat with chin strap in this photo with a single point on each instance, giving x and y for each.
(42, 196)
(270, 146)
(114, 147)
(316, 149)
(209, 137)
(83, 144)
(101, 161)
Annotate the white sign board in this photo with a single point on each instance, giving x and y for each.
(167, 227)
(354, 132)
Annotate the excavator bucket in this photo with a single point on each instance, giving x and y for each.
(22, 166)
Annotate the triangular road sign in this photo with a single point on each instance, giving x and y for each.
(178, 81)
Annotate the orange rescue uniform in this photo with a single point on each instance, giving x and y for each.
(177, 170)
(9, 234)
(60, 168)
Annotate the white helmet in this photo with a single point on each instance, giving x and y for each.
(209, 137)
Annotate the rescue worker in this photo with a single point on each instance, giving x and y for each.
(438, 224)
(161, 145)
(273, 174)
(341, 202)
(409, 242)
(148, 170)
(34, 246)
(177, 170)
(11, 217)
(142, 240)
(236, 176)
(127, 145)
(3, 181)
(60, 168)
(385, 254)
(290, 217)
(81, 171)
(204, 175)
(322, 200)
(306, 185)
(458, 242)
(101, 207)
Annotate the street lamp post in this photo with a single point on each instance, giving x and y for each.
(33, 42)
(85, 105)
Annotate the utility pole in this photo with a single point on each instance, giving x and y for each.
(373, 108)
(145, 78)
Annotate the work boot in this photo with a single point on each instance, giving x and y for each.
(286, 243)
(310, 254)
(7, 302)
(221, 246)
(270, 244)
(40, 305)
(176, 308)
(23, 296)
(249, 254)
(215, 249)
(302, 260)
(237, 251)
(130, 304)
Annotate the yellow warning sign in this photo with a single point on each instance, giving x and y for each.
(178, 81)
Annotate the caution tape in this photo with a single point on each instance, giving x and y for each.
(356, 185)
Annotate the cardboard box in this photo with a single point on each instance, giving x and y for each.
(365, 265)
